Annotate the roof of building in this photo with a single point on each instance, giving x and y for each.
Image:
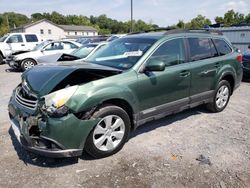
(77, 28)
(34, 23)
(64, 27)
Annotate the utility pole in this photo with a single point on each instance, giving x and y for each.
(131, 11)
(8, 25)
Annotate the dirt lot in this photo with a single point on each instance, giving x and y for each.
(194, 148)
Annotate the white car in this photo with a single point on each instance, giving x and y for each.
(13, 42)
(29, 59)
(79, 54)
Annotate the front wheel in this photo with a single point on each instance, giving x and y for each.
(1, 59)
(110, 133)
(221, 97)
(27, 64)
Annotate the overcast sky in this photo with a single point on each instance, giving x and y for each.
(161, 12)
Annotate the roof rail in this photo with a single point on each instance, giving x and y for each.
(153, 30)
(173, 30)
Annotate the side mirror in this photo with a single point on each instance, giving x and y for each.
(155, 65)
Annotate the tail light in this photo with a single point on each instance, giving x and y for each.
(239, 58)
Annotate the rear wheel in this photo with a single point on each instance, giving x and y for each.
(221, 97)
(110, 133)
(27, 64)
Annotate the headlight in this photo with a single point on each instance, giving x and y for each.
(54, 102)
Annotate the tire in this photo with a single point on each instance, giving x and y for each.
(104, 140)
(27, 64)
(1, 59)
(220, 100)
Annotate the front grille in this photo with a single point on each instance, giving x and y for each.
(24, 99)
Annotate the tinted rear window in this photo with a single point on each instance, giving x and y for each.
(200, 48)
(222, 47)
(31, 38)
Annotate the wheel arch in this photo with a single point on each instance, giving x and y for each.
(125, 106)
(230, 78)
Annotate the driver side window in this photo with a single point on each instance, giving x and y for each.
(54, 46)
(171, 53)
(15, 39)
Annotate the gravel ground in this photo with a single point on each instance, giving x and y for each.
(194, 148)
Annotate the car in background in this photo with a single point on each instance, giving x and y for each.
(94, 39)
(27, 60)
(79, 54)
(246, 64)
(14, 42)
(116, 36)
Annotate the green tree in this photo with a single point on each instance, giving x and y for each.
(199, 22)
(181, 24)
(219, 19)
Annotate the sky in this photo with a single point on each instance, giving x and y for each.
(161, 12)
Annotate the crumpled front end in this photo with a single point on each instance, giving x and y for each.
(42, 134)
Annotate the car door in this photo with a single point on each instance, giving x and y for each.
(68, 47)
(53, 48)
(16, 42)
(31, 41)
(203, 66)
(169, 89)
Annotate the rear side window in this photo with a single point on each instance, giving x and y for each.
(200, 48)
(31, 38)
(69, 45)
(222, 47)
(171, 53)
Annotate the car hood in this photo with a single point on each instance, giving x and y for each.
(42, 80)
(31, 54)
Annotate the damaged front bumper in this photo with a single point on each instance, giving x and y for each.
(47, 136)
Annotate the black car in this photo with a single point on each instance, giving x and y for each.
(246, 64)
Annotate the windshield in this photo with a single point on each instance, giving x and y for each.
(2, 39)
(84, 51)
(40, 46)
(122, 53)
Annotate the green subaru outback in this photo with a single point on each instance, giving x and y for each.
(59, 111)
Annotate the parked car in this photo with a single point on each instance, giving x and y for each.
(28, 60)
(79, 54)
(246, 64)
(114, 37)
(13, 42)
(92, 39)
(58, 111)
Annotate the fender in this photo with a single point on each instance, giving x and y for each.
(81, 102)
(226, 70)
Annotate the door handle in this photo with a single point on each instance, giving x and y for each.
(22, 44)
(184, 73)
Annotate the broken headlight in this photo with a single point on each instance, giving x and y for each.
(55, 102)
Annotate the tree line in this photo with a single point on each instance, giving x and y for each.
(105, 25)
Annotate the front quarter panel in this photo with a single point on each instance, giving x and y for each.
(120, 86)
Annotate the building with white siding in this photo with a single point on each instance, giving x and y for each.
(238, 35)
(49, 30)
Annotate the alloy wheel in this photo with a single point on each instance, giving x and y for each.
(108, 133)
(222, 96)
(28, 64)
